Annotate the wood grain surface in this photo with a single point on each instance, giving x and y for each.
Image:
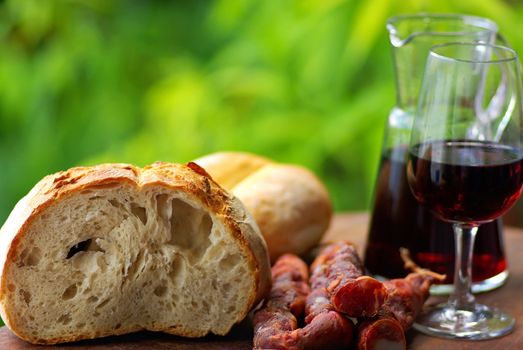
(345, 226)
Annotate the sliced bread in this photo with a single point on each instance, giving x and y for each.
(113, 249)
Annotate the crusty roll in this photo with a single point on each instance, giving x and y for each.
(289, 203)
(113, 249)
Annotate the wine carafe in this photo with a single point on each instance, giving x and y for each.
(397, 219)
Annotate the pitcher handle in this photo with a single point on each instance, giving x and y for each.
(494, 107)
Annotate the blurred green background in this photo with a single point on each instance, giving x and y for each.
(305, 81)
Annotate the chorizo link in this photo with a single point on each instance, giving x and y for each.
(320, 314)
(285, 303)
(339, 268)
(383, 332)
(406, 297)
(276, 325)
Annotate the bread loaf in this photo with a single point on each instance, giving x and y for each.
(289, 203)
(113, 249)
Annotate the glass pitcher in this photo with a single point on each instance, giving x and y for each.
(397, 219)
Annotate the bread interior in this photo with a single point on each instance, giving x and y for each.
(114, 260)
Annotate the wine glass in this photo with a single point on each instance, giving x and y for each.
(465, 164)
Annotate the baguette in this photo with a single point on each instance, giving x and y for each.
(290, 204)
(113, 249)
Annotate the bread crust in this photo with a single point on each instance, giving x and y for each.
(188, 178)
(230, 168)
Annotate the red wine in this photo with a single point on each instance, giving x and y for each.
(398, 220)
(466, 181)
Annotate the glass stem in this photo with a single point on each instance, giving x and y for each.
(462, 298)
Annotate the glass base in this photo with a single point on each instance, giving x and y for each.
(480, 323)
(477, 287)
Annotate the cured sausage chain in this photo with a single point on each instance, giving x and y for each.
(276, 324)
(405, 299)
(339, 269)
(338, 290)
(278, 317)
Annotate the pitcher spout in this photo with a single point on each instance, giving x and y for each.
(412, 36)
(405, 28)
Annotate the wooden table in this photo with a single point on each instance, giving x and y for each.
(346, 226)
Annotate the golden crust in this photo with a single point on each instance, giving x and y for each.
(231, 168)
(189, 178)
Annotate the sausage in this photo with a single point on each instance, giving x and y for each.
(290, 276)
(286, 302)
(339, 268)
(276, 324)
(385, 310)
(383, 332)
(332, 329)
(406, 296)
(405, 299)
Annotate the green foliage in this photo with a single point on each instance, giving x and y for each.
(306, 81)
